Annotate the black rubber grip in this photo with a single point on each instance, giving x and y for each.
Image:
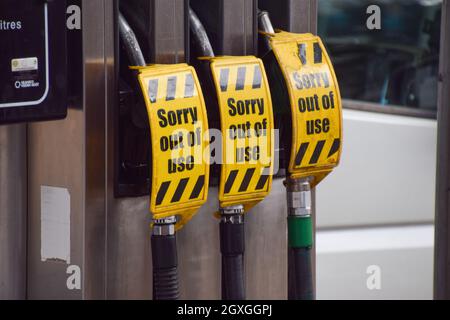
(165, 268)
(232, 247)
(300, 276)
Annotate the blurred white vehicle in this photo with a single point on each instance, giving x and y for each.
(375, 212)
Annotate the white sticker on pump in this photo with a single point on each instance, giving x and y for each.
(55, 224)
(24, 64)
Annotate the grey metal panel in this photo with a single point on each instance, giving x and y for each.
(199, 253)
(13, 211)
(98, 17)
(442, 221)
(129, 252)
(239, 34)
(266, 246)
(70, 154)
(292, 15)
(169, 31)
(230, 24)
(151, 27)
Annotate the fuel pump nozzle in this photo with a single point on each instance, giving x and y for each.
(312, 154)
(300, 226)
(164, 247)
(232, 235)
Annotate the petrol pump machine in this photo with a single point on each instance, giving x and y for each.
(33, 60)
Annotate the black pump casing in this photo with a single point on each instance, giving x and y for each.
(33, 60)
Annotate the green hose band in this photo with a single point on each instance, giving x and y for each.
(300, 233)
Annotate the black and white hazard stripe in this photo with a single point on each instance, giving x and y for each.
(318, 151)
(171, 91)
(244, 183)
(241, 75)
(181, 189)
(302, 53)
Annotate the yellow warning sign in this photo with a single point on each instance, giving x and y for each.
(180, 140)
(245, 107)
(315, 103)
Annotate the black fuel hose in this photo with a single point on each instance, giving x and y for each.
(232, 247)
(130, 43)
(165, 267)
(200, 37)
(300, 276)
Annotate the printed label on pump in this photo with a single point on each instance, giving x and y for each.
(180, 140)
(246, 117)
(315, 104)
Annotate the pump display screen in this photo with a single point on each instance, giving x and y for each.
(32, 60)
(24, 70)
